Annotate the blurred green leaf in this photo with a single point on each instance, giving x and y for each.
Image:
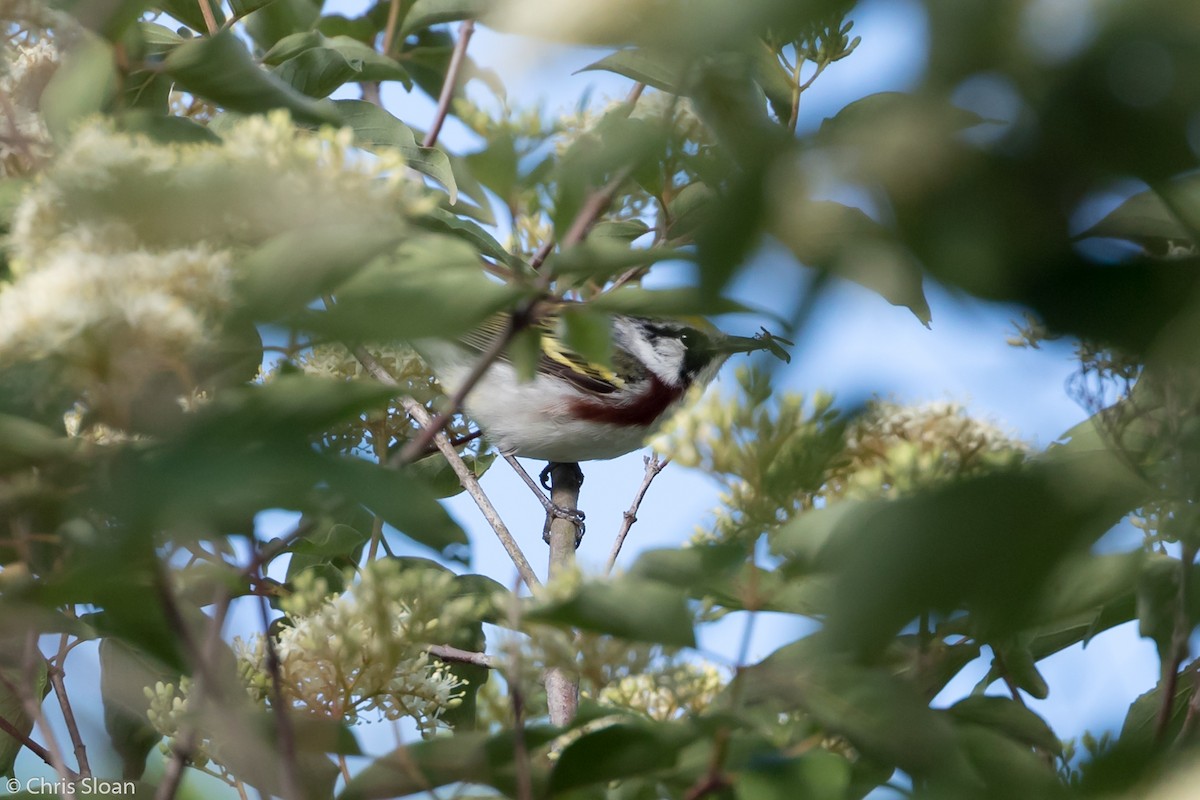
(846, 242)
(83, 85)
(619, 751)
(316, 65)
(816, 775)
(431, 286)
(374, 127)
(1007, 716)
(404, 503)
(465, 757)
(243, 7)
(424, 13)
(12, 709)
(124, 674)
(188, 12)
(295, 268)
(1145, 219)
(618, 607)
(663, 70)
(681, 302)
(442, 221)
(588, 333)
(281, 18)
(880, 715)
(220, 69)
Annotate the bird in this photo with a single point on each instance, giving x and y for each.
(573, 409)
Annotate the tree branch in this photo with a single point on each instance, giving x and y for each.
(32, 746)
(653, 467)
(455, 655)
(451, 81)
(210, 20)
(1179, 644)
(288, 774)
(55, 673)
(562, 689)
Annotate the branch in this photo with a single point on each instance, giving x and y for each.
(55, 673)
(653, 467)
(1178, 646)
(210, 20)
(451, 81)
(393, 19)
(562, 689)
(289, 776)
(32, 746)
(455, 655)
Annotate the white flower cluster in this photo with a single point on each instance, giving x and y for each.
(346, 656)
(127, 245)
(894, 449)
(676, 690)
(27, 62)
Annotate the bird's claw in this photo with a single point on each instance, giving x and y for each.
(574, 516)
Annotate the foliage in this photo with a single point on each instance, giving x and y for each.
(221, 246)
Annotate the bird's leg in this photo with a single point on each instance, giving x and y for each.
(552, 511)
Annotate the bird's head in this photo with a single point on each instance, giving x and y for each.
(682, 354)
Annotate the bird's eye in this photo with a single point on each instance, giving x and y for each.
(687, 338)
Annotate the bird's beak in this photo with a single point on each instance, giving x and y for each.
(728, 345)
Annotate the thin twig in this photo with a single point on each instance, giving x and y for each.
(471, 484)
(653, 467)
(210, 20)
(450, 83)
(32, 746)
(33, 709)
(389, 35)
(55, 673)
(458, 656)
(1178, 646)
(286, 737)
(520, 746)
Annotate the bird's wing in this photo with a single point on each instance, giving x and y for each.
(557, 359)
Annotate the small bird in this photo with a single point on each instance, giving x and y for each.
(574, 410)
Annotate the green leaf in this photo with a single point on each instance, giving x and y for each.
(618, 608)
(661, 69)
(436, 473)
(600, 259)
(618, 751)
(425, 13)
(987, 544)
(295, 268)
(440, 220)
(317, 66)
(681, 302)
(243, 7)
(83, 85)
(124, 674)
(375, 127)
(11, 707)
(497, 165)
(404, 503)
(846, 242)
(465, 757)
(26, 443)
(1007, 716)
(882, 716)
(777, 84)
(588, 333)
(220, 69)
(1147, 220)
(274, 21)
(816, 775)
(431, 286)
